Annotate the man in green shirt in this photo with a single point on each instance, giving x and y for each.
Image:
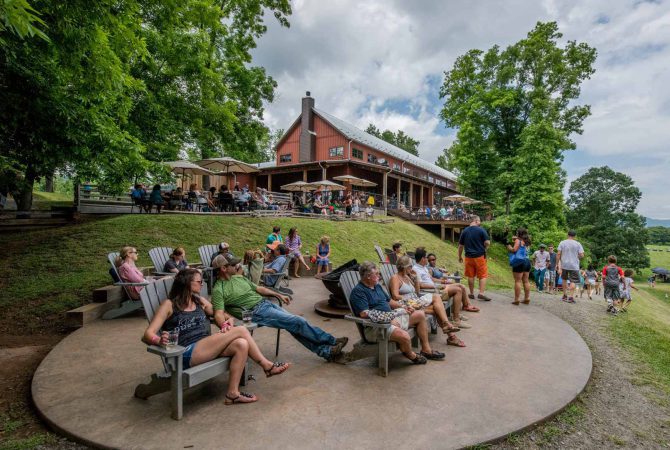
(233, 293)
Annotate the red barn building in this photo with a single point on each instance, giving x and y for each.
(319, 146)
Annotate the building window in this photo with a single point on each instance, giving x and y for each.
(372, 158)
(396, 166)
(336, 151)
(357, 153)
(285, 158)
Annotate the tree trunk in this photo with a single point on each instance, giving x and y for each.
(23, 194)
(49, 183)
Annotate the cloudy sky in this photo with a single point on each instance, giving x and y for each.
(383, 62)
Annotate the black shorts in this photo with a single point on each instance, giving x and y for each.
(522, 267)
(572, 275)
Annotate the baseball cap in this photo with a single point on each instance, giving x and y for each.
(223, 245)
(222, 261)
(543, 246)
(274, 245)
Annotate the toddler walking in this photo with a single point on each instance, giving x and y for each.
(628, 283)
(612, 276)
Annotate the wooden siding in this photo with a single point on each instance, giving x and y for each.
(326, 138)
(290, 146)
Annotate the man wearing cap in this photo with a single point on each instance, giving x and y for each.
(233, 294)
(542, 259)
(224, 249)
(570, 251)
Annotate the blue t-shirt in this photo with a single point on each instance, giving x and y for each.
(473, 238)
(278, 264)
(363, 298)
(552, 260)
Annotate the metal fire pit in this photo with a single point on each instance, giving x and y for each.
(336, 305)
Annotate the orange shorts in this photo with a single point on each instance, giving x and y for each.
(476, 267)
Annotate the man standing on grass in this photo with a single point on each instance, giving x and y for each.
(475, 241)
(570, 251)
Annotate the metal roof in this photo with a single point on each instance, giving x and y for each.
(362, 137)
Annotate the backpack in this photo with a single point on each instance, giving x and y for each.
(611, 277)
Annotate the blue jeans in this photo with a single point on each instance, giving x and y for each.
(268, 314)
(539, 278)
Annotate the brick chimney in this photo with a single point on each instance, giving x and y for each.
(307, 136)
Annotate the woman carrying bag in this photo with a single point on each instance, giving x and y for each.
(518, 259)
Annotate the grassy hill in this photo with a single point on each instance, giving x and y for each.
(51, 271)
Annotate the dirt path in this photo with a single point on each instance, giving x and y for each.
(613, 411)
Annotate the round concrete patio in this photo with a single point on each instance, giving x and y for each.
(522, 365)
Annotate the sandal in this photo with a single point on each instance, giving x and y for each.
(450, 329)
(471, 296)
(418, 359)
(453, 340)
(471, 308)
(434, 355)
(277, 368)
(515, 302)
(244, 397)
(525, 302)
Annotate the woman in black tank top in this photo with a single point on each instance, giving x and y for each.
(186, 311)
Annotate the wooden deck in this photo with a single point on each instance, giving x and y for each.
(448, 227)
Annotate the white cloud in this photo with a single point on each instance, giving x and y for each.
(355, 57)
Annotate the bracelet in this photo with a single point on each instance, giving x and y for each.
(155, 339)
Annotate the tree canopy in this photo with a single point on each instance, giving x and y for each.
(514, 111)
(602, 206)
(119, 86)
(399, 139)
(659, 235)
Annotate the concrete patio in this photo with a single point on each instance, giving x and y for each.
(521, 366)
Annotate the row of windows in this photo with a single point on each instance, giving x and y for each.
(335, 151)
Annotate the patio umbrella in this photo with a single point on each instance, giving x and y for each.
(186, 168)
(660, 271)
(355, 181)
(456, 198)
(325, 184)
(298, 186)
(471, 201)
(226, 165)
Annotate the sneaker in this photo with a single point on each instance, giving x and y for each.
(564, 298)
(571, 300)
(462, 325)
(335, 351)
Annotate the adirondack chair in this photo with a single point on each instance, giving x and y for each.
(380, 253)
(387, 271)
(173, 377)
(128, 306)
(159, 256)
(363, 348)
(281, 282)
(206, 252)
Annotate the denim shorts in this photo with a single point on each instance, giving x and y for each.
(186, 356)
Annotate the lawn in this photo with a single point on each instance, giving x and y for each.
(52, 271)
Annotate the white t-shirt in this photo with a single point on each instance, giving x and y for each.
(541, 259)
(570, 250)
(424, 275)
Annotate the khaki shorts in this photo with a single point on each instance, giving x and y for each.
(373, 334)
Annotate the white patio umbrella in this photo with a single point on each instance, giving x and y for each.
(456, 198)
(186, 168)
(355, 181)
(225, 166)
(298, 186)
(326, 185)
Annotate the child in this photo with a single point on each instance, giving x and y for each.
(323, 255)
(628, 285)
(612, 276)
(599, 283)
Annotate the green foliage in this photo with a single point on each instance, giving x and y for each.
(514, 111)
(399, 139)
(659, 235)
(602, 206)
(120, 86)
(21, 19)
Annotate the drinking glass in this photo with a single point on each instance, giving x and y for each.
(246, 316)
(173, 338)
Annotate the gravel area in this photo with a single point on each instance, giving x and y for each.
(613, 411)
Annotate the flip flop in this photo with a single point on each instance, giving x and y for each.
(244, 397)
(484, 297)
(470, 308)
(453, 340)
(277, 368)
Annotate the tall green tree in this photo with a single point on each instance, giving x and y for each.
(659, 235)
(514, 111)
(602, 206)
(399, 139)
(21, 19)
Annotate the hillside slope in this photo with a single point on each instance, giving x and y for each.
(51, 271)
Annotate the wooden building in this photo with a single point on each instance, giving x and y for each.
(320, 146)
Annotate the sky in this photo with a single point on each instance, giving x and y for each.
(383, 62)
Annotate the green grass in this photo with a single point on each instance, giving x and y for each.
(45, 200)
(51, 271)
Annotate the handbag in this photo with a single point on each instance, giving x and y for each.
(518, 257)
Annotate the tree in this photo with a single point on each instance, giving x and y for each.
(123, 85)
(602, 206)
(21, 19)
(659, 235)
(399, 139)
(514, 112)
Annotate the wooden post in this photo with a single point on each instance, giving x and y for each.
(421, 196)
(269, 182)
(411, 195)
(453, 237)
(398, 192)
(384, 196)
(442, 231)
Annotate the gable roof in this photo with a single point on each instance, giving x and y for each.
(360, 136)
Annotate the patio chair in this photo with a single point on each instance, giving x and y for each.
(380, 254)
(281, 281)
(206, 252)
(159, 256)
(173, 377)
(129, 305)
(364, 348)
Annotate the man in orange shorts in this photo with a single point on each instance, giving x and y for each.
(475, 241)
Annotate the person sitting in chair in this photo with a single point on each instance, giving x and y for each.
(128, 271)
(232, 294)
(224, 249)
(186, 311)
(272, 270)
(177, 261)
(369, 301)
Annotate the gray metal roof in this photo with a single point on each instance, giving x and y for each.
(362, 137)
(266, 165)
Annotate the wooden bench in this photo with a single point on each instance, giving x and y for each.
(173, 377)
(364, 348)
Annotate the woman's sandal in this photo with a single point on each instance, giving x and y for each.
(515, 302)
(277, 368)
(418, 359)
(450, 329)
(471, 308)
(453, 340)
(244, 397)
(525, 302)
